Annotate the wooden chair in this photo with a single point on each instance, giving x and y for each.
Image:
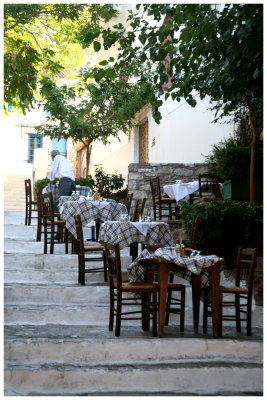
(54, 230)
(40, 215)
(82, 249)
(128, 202)
(139, 209)
(243, 290)
(160, 203)
(208, 188)
(118, 295)
(31, 205)
(176, 305)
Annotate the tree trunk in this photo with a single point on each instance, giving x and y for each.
(254, 146)
(256, 124)
(88, 157)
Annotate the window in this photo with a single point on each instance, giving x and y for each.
(35, 142)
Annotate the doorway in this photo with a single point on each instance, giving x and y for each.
(143, 143)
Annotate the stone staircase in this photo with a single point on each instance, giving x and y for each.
(14, 192)
(57, 341)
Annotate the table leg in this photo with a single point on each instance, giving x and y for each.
(196, 300)
(163, 283)
(134, 248)
(216, 320)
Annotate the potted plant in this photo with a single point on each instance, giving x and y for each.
(230, 159)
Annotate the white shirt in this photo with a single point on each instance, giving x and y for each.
(62, 168)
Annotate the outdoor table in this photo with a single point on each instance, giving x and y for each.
(83, 190)
(180, 190)
(89, 211)
(194, 269)
(127, 233)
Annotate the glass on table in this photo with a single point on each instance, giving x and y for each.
(123, 217)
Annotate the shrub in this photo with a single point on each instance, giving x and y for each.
(224, 226)
(42, 183)
(230, 159)
(113, 184)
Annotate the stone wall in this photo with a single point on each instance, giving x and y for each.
(139, 174)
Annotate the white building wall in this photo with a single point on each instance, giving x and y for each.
(16, 140)
(185, 134)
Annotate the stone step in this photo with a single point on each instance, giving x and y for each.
(89, 360)
(33, 247)
(56, 277)
(95, 343)
(28, 232)
(15, 218)
(45, 262)
(143, 378)
(20, 295)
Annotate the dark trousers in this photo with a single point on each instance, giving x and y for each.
(65, 187)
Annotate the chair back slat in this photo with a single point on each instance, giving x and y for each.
(139, 208)
(128, 202)
(28, 191)
(208, 183)
(48, 206)
(79, 232)
(155, 188)
(245, 266)
(113, 262)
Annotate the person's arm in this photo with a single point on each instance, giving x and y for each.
(54, 168)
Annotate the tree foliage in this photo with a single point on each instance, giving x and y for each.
(41, 40)
(92, 111)
(204, 49)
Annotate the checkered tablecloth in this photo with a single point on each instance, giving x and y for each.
(191, 265)
(125, 233)
(83, 190)
(89, 212)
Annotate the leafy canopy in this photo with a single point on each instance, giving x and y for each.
(212, 50)
(42, 40)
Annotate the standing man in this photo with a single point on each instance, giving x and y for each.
(62, 168)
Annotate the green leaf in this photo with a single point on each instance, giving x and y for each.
(104, 62)
(97, 46)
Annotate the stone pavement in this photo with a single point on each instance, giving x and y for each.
(57, 341)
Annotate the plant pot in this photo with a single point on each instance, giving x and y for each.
(240, 190)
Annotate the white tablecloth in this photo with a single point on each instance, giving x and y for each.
(180, 190)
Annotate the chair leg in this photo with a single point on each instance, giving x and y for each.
(52, 239)
(237, 312)
(26, 214)
(249, 333)
(79, 269)
(66, 237)
(82, 270)
(39, 228)
(168, 304)
(111, 308)
(154, 305)
(205, 310)
(105, 267)
(118, 316)
(182, 309)
(45, 238)
(146, 299)
(30, 215)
